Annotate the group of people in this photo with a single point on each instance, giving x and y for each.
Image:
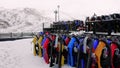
(80, 51)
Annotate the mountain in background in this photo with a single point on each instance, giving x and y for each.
(22, 20)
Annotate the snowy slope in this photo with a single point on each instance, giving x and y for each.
(22, 20)
(18, 54)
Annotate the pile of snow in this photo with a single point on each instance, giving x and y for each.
(22, 20)
(18, 54)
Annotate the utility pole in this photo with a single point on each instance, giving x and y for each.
(43, 26)
(58, 12)
(55, 15)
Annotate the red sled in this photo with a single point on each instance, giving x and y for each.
(113, 48)
(45, 50)
(67, 40)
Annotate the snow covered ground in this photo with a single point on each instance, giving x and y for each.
(18, 54)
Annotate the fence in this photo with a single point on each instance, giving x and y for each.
(14, 36)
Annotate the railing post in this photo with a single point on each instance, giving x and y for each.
(11, 34)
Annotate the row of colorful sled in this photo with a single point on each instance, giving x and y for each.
(80, 51)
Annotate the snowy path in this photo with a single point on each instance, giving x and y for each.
(18, 54)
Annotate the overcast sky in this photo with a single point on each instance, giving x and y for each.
(72, 8)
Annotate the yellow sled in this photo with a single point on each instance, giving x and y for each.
(34, 42)
(98, 52)
(40, 47)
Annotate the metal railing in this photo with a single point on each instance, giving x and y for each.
(22, 35)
